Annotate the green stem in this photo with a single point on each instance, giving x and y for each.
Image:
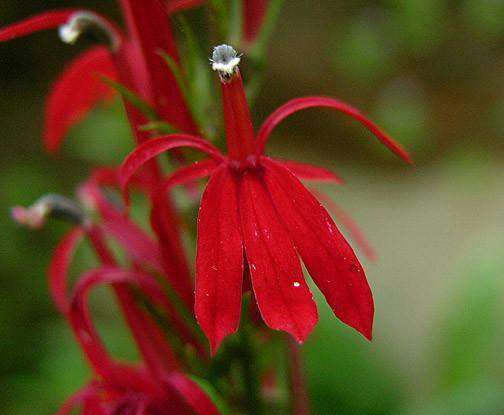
(252, 399)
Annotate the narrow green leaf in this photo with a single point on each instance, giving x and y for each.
(235, 26)
(269, 23)
(158, 126)
(177, 73)
(220, 16)
(212, 393)
(194, 60)
(143, 106)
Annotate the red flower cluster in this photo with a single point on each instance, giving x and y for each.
(256, 222)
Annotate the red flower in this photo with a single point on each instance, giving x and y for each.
(255, 208)
(133, 59)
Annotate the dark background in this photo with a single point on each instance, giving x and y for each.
(432, 73)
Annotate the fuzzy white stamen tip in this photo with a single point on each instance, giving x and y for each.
(68, 34)
(225, 60)
(83, 22)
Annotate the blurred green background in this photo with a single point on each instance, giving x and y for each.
(432, 73)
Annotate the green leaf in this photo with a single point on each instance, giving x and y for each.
(159, 127)
(480, 397)
(472, 335)
(143, 106)
(199, 76)
(220, 16)
(177, 73)
(269, 23)
(212, 393)
(235, 26)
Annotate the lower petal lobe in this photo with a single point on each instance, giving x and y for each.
(282, 295)
(328, 257)
(219, 259)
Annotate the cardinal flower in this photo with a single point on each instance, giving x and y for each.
(256, 211)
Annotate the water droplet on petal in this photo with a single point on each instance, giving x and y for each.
(296, 284)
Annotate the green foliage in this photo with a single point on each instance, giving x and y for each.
(471, 338)
(345, 372)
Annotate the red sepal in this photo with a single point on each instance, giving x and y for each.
(219, 259)
(43, 21)
(282, 295)
(299, 104)
(59, 266)
(77, 91)
(329, 258)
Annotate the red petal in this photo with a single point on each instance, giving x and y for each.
(79, 398)
(346, 220)
(198, 400)
(175, 263)
(254, 12)
(191, 173)
(130, 236)
(85, 332)
(146, 333)
(188, 175)
(299, 104)
(133, 239)
(43, 21)
(149, 338)
(162, 223)
(150, 31)
(75, 93)
(237, 119)
(304, 171)
(174, 6)
(283, 297)
(58, 268)
(219, 260)
(328, 257)
(152, 343)
(156, 146)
